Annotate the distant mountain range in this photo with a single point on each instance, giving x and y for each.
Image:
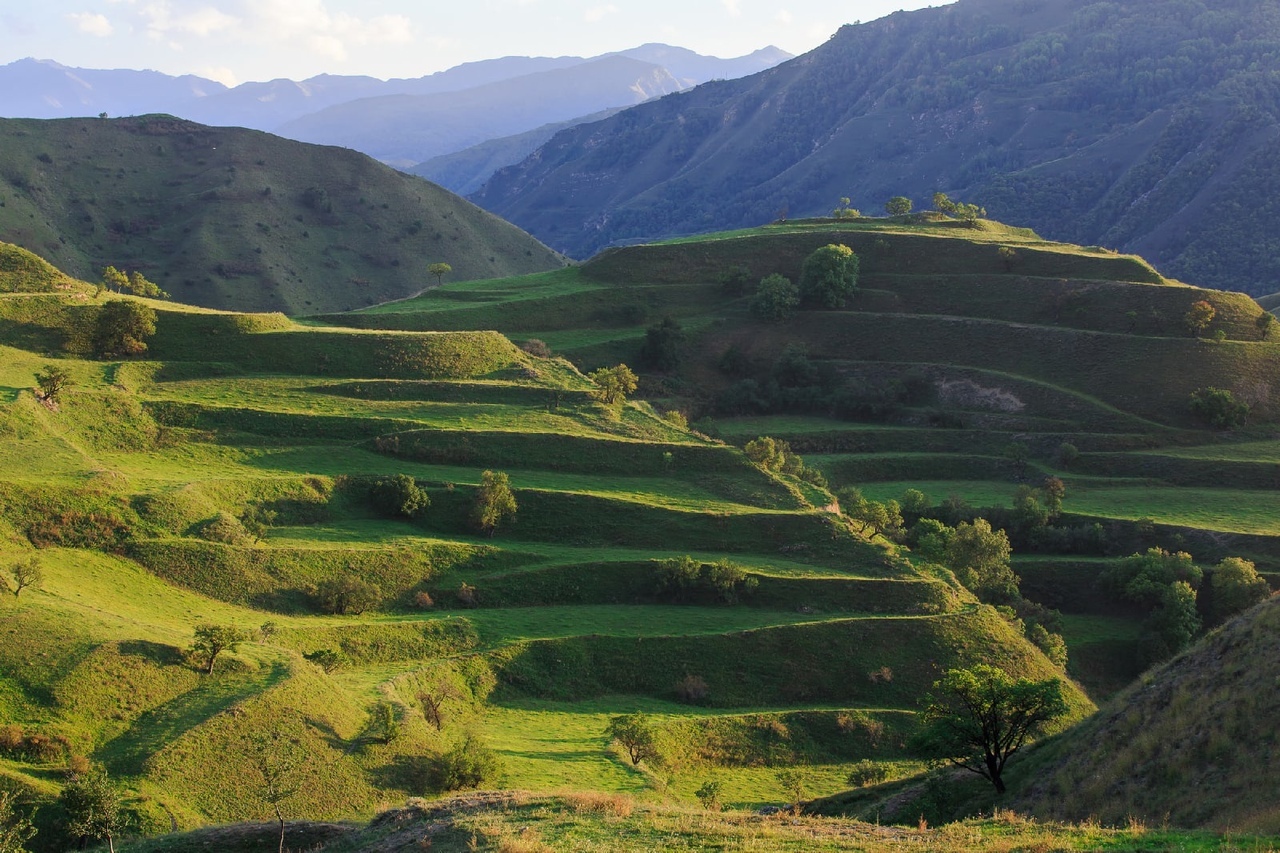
(402, 121)
(1150, 126)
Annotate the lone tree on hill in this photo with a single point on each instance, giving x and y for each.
(277, 760)
(614, 383)
(439, 271)
(212, 640)
(899, 205)
(123, 328)
(495, 502)
(829, 276)
(1199, 316)
(92, 805)
(976, 718)
(635, 733)
(51, 380)
(26, 573)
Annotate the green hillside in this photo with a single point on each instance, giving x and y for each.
(238, 472)
(233, 218)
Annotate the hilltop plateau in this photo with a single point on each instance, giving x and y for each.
(234, 218)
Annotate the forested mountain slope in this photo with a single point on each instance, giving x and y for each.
(1148, 126)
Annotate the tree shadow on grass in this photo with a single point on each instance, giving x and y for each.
(159, 727)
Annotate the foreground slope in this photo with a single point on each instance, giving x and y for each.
(1192, 743)
(1147, 127)
(232, 218)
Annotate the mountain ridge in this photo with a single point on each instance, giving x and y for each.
(1136, 128)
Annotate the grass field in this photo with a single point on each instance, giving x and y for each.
(140, 486)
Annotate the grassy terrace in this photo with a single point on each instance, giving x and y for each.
(124, 485)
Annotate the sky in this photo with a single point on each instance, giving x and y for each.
(236, 41)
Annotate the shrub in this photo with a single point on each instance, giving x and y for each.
(423, 600)
(467, 595)
(468, 764)
(775, 299)
(663, 345)
(347, 594)
(709, 795)
(734, 280)
(1199, 316)
(1234, 586)
(1218, 408)
(867, 772)
(536, 348)
(327, 659)
(224, 527)
(692, 688)
(399, 496)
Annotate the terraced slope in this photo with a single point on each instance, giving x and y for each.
(133, 492)
(957, 369)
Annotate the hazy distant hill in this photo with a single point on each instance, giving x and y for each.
(1150, 126)
(233, 218)
(407, 129)
(32, 88)
(466, 171)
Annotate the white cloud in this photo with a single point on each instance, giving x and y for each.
(599, 13)
(220, 73)
(91, 23)
(783, 17)
(161, 22)
(733, 7)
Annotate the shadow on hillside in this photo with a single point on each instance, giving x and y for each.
(157, 653)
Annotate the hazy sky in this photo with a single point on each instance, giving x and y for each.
(239, 40)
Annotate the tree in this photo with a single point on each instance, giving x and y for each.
(433, 699)
(494, 502)
(1008, 257)
(257, 519)
(635, 733)
(1218, 408)
(678, 576)
(439, 270)
(829, 276)
(980, 558)
(140, 285)
(899, 205)
(400, 496)
(51, 380)
(212, 640)
(26, 573)
(123, 327)
(92, 805)
(775, 299)
(1165, 583)
(1198, 317)
(16, 828)
(663, 345)
(709, 794)
(613, 383)
(277, 760)
(115, 280)
(914, 502)
(347, 594)
(1234, 586)
(977, 718)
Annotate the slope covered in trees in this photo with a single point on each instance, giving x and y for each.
(1148, 127)
(233, 218)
